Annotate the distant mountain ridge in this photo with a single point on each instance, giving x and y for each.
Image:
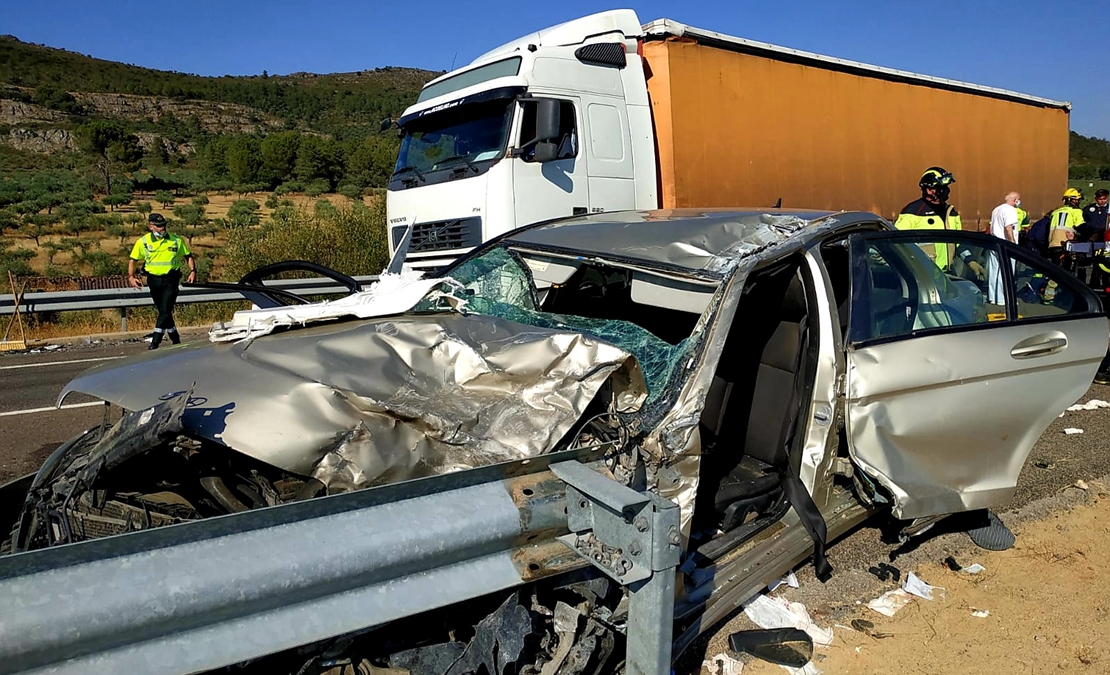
(336, 103)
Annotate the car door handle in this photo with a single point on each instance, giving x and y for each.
(1040, 345)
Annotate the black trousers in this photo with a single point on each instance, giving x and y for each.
(163, 290)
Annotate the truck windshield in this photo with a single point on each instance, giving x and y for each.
(458, 137)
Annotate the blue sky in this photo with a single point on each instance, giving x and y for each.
(1058, 49)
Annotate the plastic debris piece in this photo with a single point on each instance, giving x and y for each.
(973, 568)
(722, 664)
(1082, 484)
(768, 612)
(1070, 431)
(1093, 404)
(981, 613)
(890, 602)
(790, 580)
(780, 646)
(915, 586)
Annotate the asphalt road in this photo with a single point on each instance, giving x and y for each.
(30, 427)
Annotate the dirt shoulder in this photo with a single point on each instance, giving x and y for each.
(1046, 602)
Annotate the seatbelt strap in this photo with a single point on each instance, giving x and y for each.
(792, 485)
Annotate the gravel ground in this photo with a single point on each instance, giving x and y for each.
(1046, 485)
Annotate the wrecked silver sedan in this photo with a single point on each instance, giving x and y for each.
(775, 376)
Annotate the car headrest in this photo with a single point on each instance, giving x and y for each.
(794, 301)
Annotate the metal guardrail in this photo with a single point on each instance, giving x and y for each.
(211, 593)
(122, 298)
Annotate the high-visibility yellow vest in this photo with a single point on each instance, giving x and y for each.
(160, 256)
(1023, 218)
(911, 218)
(1062, 221)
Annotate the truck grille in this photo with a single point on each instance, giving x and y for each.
(443, 235)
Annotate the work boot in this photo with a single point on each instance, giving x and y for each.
(174, 337)
(155, 341)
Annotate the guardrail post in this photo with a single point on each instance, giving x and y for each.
(633, 537)
(123, 319)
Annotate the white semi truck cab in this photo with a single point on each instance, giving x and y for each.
(554, 124)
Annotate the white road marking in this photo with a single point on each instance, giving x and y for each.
(59, 363)
(50, 408)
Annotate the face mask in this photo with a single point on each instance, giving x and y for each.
(158, 235)
(1018, 203)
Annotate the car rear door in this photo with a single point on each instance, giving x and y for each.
(953, 374)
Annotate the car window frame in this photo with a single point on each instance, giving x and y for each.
(1009, 252)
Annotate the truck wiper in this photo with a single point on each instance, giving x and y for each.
(411, 169)
(464, 158)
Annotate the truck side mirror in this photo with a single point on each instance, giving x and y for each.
(385, 124)
(547, 120)
(546, 151)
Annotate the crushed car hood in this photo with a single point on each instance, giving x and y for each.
(362, 403)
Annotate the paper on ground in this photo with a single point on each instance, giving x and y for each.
(1093, 404)
(890, 602)
(915, 586)
(722, 664)
(391, 294)
(790, 580)
(981, 613)
(973, 568)
(768, 612)
(1070, 431)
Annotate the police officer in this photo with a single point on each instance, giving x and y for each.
(1094, 227)
(932, 211)
(162, 255)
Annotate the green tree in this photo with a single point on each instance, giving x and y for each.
(164, 197)
(279, 156)
(370, 161)
(243, 212)
(117, 199)
(143, 207)
(201, 200)
(319, 159)
(243, 159)
(350, 191)
(112, 148)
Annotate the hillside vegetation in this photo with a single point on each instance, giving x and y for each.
(1089, 158)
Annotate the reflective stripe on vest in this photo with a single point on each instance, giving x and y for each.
(911, 221)
(161, 257)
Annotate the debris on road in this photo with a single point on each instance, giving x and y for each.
(722, 664)
(973, 568)
(915, 586)
(981, 613)
(1093, 404)
(768, 612)
(787, 647)
(1070, 431)
(1082, 485)
(867, 628)
(890, 602)
(884, 571)
(790, 580)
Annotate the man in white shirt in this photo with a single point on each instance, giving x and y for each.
(1004, 222)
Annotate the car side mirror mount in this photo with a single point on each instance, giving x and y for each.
(385, 124)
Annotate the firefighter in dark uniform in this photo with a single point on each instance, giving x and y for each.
(163, 255)
(933, 212)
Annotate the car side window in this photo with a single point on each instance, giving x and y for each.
(568, 130)
(1044, 290)
(900, 286)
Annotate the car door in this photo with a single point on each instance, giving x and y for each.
(953, 374)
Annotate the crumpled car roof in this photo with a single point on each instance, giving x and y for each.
(697, 240)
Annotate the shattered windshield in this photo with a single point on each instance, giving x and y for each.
(498, 283)
(455, 138)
